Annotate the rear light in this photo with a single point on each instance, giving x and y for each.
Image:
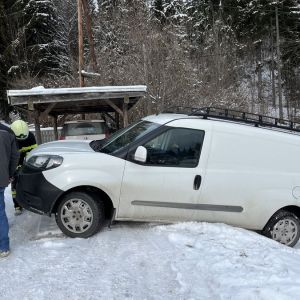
(62, 137)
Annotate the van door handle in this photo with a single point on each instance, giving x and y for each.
(197, 182)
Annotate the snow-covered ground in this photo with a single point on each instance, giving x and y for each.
(147, 261)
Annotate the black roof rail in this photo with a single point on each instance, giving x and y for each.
(186, 110)
(237, 116)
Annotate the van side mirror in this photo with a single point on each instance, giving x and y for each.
(140, 154)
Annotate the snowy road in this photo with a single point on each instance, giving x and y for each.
(147, 261)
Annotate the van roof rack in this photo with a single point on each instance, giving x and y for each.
(237, 116)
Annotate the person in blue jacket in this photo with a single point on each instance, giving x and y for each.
(8, 163)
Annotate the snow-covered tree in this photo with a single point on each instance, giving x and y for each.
(200, 52)
(37, 45)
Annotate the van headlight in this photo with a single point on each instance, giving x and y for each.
(44, 162)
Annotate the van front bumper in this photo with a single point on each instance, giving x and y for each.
(36, 194)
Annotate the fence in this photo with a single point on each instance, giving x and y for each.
(47, 134)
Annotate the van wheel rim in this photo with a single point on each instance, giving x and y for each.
(76, 215)
(285, 231)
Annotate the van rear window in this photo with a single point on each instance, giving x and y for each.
(86, 128)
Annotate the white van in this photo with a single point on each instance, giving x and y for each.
(210, 165)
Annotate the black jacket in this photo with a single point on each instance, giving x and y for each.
(26, 146)
(9, 157)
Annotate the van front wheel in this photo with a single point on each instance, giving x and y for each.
(80, 215)
(283, 227)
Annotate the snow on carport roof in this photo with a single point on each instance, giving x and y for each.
(40, 91)
(77, 100)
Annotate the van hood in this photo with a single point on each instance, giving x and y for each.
(65, 146)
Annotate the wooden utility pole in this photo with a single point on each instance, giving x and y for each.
(80, 43)
(86, 10)
(278, 65)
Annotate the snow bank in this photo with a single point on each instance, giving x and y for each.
(147, 261)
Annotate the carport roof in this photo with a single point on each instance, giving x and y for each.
(76, 100)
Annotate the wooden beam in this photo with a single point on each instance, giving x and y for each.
(109, 116)
(47, 110)
(90, 74)
(24, 110)
(115, 107)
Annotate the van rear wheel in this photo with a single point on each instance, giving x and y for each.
(283, 227)
(80, 215)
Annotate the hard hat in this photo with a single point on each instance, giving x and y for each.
(20, 128)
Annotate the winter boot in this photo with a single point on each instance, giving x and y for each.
(4, 253)
(18, 211)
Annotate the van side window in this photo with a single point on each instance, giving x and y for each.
(176, 147)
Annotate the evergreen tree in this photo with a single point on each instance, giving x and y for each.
(158, 11)
(168, 11)
(67, 34)
(43, 47)
(38, 47)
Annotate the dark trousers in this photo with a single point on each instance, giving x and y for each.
(14, 190)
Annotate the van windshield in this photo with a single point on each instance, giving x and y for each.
(122, 138)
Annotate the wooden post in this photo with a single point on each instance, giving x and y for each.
(55, 127)
(80, 43)
(117, 117)
(37, 127)
(125, 111)
(125, 115)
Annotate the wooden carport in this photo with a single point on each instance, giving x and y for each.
(41, 102)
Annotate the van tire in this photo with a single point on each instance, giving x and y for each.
(283, 227)
(80, 215)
